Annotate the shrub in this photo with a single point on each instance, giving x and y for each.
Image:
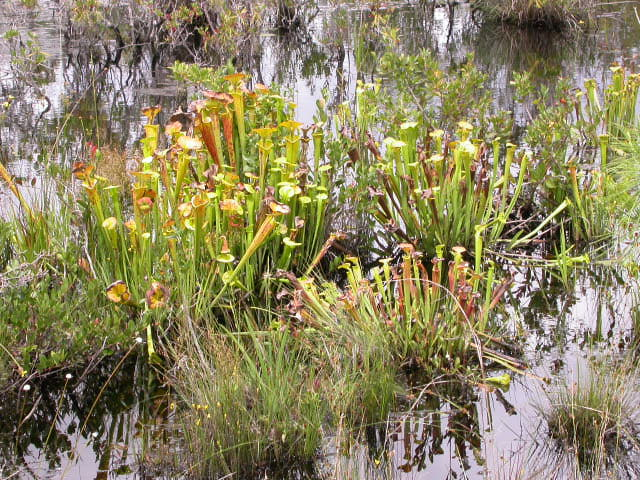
(52, 319)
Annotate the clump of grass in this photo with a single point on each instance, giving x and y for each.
(594, 420)
(252, 403)
(257, 400)
(555, 15)
(360, 377)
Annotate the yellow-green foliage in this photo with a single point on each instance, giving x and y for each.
(217, 210)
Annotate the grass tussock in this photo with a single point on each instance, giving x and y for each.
(594, 420)
(256, 401)
(554, 15)
(252, 405)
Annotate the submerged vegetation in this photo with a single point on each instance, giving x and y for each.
(294, 284)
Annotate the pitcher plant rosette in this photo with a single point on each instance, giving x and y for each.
(231, 192)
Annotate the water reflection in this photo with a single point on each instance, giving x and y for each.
(594, 309)
(94, 426)
(443, 436)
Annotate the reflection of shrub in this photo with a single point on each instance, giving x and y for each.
(548, 14)
(594, 420)
(28, 59)
(193, 28)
